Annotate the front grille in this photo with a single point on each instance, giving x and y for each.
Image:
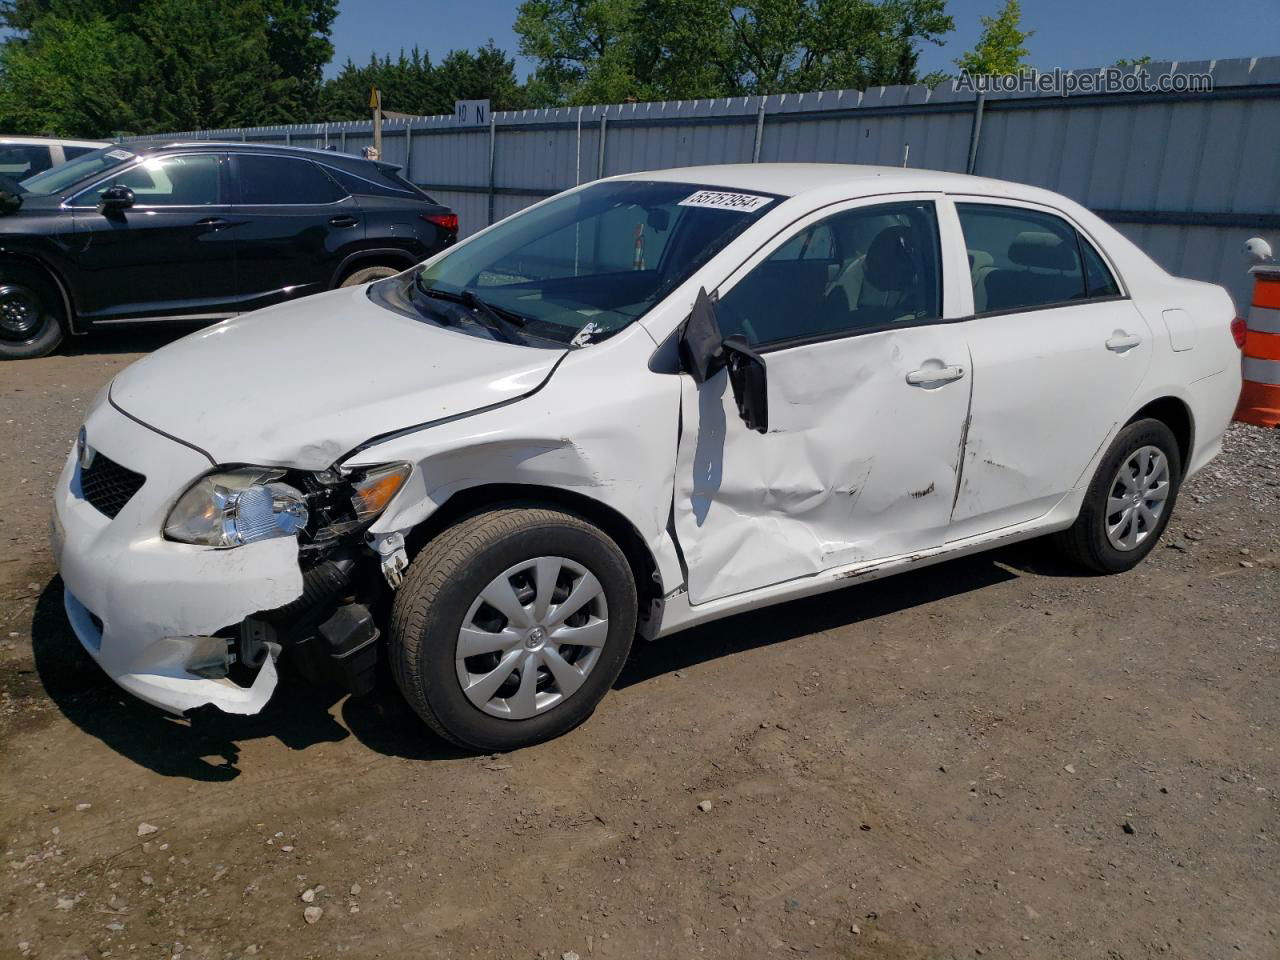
(109, 486)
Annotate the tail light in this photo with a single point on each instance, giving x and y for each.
(445, 221)
(1239, 330)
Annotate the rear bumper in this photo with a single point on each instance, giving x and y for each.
(139, 603)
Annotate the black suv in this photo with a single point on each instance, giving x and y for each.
(198, 232)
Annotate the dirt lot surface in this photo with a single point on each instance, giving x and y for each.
(994, 757)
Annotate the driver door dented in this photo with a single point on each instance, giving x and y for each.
(857, 465)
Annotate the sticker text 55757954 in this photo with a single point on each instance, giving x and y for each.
(720, 200)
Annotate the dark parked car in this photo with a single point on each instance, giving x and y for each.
(198, 232)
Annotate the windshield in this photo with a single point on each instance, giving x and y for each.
(585, 265)
(57, 179)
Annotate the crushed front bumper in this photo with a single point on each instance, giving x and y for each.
(139, 603)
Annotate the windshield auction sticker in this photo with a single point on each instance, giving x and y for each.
(744, 202)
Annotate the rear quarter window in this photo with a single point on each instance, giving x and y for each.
(376, 183)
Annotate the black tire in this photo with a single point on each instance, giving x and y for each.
(446, 578)
(1086, 541)
(31, 314)
(367, 275)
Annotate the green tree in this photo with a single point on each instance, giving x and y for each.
(600, 51)
(1002, 47)
(487, 74)
(298, 44)
(407, 86)
(76, 78)
(205, 69)
(412, 84)
(96, 67)
(792, 45)
(582, 47)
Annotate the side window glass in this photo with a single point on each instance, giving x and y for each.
(180, 181)
(814, 244)
(266, 179)
(864, 269)
(22, 160)
(376, 183)
(1020, 259)
(1101, 282)
(70, 152)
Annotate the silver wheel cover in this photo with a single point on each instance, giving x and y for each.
(531, 637)
(1137, 498)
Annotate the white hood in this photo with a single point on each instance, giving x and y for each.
(302, 383)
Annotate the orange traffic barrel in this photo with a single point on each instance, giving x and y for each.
(1260, 397)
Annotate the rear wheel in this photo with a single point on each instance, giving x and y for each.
(1129, 501)
(511, 626)
(30, 313)
(367, 275)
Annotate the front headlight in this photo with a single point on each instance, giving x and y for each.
(237, 507)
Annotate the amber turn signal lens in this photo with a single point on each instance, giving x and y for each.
(373, 491)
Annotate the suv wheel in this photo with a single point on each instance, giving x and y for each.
(30, 313)
(367, 275)
(511, 626)
(1129, 501)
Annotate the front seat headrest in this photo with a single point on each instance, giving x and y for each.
(1047, 251)
(890, 261)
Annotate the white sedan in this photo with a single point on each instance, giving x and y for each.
(646, 403)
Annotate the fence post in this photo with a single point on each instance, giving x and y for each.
(577, 153)
(755, 150)
(408, 150)
(600, 159)
(975, 133)
(493, 143)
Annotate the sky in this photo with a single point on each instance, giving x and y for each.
(1068, 33)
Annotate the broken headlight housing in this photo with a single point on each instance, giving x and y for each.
(345, 503)
(234, 507)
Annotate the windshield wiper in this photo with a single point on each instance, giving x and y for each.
(498, 323)
(502, 323)
(493, 319)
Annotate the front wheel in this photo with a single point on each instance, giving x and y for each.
(1129, 501)
(30, 313)
(511, 626)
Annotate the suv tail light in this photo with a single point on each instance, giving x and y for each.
(1239, 330)
(445, 221)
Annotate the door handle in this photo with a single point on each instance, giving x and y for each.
(213, 222)
(931, 375)
(1121, 341)
(343, 221)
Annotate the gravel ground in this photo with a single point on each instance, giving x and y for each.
(995, 756)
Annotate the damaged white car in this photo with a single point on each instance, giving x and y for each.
(642, 404)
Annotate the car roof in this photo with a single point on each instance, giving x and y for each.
(6, 138)
(797, 179)
(329, 156)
